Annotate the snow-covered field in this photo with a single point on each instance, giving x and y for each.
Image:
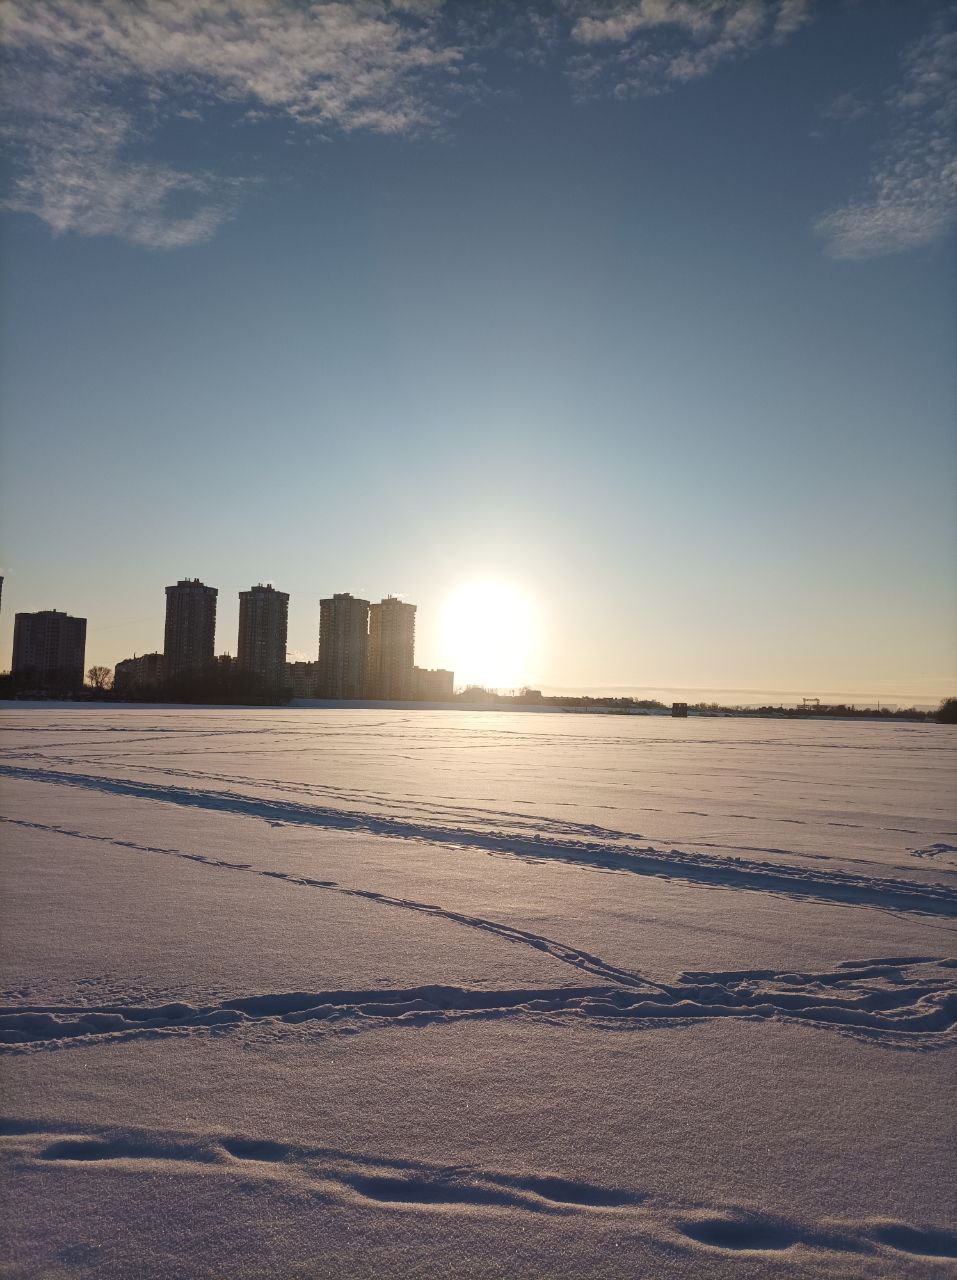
(369, 993)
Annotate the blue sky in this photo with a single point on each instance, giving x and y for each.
(646, 308)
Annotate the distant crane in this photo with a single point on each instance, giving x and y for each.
(811, 704)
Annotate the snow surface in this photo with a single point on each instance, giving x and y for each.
(364, 993)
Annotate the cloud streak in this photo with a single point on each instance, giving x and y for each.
(912, 196)
(73, 174)
(76, 122)
(90, 83)
(649, 46)
(354, 64)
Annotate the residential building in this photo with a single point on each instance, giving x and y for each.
(190, 626)
(49, 649)
(343, 646)
(391, 649)
(433, 686)
(303, 679)
(143, 674)
(263, 619)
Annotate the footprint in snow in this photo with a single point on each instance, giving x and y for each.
(934, 850)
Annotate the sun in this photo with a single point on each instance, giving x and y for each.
(490, 632)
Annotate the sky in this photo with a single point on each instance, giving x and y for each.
(644, 309)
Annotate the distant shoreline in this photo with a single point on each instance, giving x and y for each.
(913, 716)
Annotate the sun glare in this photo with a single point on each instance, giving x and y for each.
(490, 632)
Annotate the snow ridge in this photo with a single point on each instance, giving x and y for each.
(900, 1002)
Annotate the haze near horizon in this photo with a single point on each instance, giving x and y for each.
(642, 312)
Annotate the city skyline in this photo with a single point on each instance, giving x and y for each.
(193, 637)
(364, 650)
(641, 311)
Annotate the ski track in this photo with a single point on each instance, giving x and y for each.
(901, 1002)
(728, 873)
(157, 736)
(413, 804)
(896, 992)
(510, 933)
(416, 731)
(466, 815)
(336, 1177)
(350, 795)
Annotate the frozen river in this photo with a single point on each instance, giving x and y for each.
(394, 992)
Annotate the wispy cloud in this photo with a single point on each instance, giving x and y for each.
(78, 69)
(649, 46)
(353, 64)
(73, 173)
(846, 107)
(89, 84)
(912, 198)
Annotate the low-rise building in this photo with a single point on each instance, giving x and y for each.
(303, 679)
(143, 674)
(433, 686)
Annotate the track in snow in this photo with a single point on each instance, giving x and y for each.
(901, 1002)
(335, 1177)
(675, 864)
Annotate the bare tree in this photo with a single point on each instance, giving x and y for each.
(100, 677)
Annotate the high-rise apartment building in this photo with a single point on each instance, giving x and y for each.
(263, 619)
(343, 646)
(190, 626)
(49, 648)
(391, 649)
